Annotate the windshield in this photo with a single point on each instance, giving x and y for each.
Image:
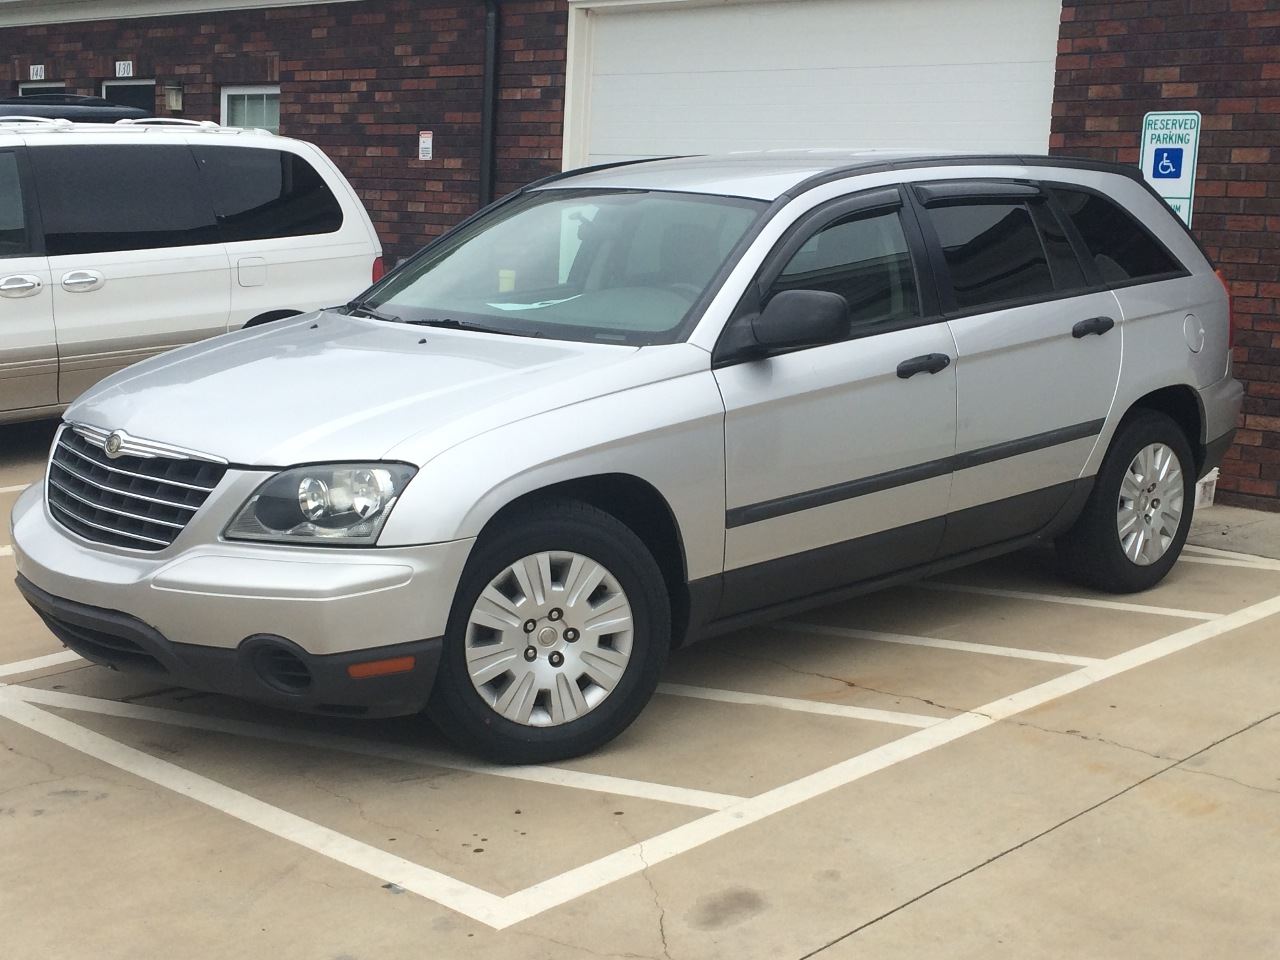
(607, 266)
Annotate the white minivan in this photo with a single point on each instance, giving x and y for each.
(120, 241)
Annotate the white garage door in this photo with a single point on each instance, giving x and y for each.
(671, 78)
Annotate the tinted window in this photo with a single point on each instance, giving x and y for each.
(130, 197)
(13, 221)
(1119, 245)
(993, 253)
(1063, 263)
(261, 194)
(865, 260)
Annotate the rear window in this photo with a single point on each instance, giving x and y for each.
(264, 194)
(1121, 247)
(13, 221)
(993, 253)
(109, 197)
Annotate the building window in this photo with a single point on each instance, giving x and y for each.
(28, 89)
(257, 106)
(131, 93)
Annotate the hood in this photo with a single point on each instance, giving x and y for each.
(330, 386)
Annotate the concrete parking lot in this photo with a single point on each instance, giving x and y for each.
(991, 764)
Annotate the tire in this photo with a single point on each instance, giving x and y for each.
(1094, 552)
(507, 718)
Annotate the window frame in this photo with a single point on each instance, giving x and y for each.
(247, 89)
(870, 201)
(27, 88)
(1083, 255)
(128, 82)
(30, 205)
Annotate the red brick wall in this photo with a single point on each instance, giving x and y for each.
(358, 79)
(1116, 61)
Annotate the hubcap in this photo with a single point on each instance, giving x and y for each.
(570, 659)
(1150, 506)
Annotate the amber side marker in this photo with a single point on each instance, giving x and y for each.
(380, 668)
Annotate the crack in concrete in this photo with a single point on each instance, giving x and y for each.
(852, 684)
(1223, 776)
(657, 902)
(1092, 739)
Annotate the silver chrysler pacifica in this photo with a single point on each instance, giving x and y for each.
(631, 406)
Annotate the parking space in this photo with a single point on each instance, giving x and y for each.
(859, 780)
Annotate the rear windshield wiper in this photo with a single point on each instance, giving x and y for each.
(452, 324)
(360, 306)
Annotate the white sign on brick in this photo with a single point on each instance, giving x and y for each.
(1170, 149)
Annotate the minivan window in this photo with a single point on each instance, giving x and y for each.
(863, 258)
(621, 266)
(13, 220)
(993, 253)
(1118, 244)
(109, 197)
(262, 194)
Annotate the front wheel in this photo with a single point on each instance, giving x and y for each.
(557, 635)
(1136, 520)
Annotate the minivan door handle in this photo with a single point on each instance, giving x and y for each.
(925, 363)
(20, 285)
(1094, 325)
(82, 281)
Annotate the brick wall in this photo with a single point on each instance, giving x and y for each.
(1118, 60)
(358, 79)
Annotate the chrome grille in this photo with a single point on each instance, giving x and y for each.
(141, 501)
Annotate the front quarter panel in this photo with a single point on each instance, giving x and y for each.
(669, 433)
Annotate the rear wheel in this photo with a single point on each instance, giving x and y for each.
(1137, 517)
(558, 633)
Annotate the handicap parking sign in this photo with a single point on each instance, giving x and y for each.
(1167, 163)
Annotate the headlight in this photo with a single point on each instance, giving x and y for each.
(345, 503)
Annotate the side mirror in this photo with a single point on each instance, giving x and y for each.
(801, 318)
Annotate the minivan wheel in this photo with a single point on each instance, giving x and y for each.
(557, 636)
(1137, 517)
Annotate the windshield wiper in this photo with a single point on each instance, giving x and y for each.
(360, 306)
(452, 324)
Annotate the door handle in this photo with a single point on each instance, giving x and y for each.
(925, 363)
(20, 285)
(1094, 325)
(82, 281)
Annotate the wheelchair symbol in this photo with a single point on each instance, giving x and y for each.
(1168, 164)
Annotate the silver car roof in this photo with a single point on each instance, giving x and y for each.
(762, 175)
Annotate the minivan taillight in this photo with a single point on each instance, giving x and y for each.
(1231, 312)
(378, 269)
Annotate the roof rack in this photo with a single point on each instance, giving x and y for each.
(166, 121)
(57, 122)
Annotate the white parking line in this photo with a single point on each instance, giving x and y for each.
(37, 663)
(554, 776)
(1074, 601)
(645, 854)
(800, 706)
(454, 894)
(501, 912)
(960, 645)
(6, 550)
(1215, 552)
(1255, 563)
(18, 489)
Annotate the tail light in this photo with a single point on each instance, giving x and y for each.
(1231, 312)
(379, 269)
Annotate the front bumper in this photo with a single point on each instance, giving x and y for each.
(199, 610)
(266, 669)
